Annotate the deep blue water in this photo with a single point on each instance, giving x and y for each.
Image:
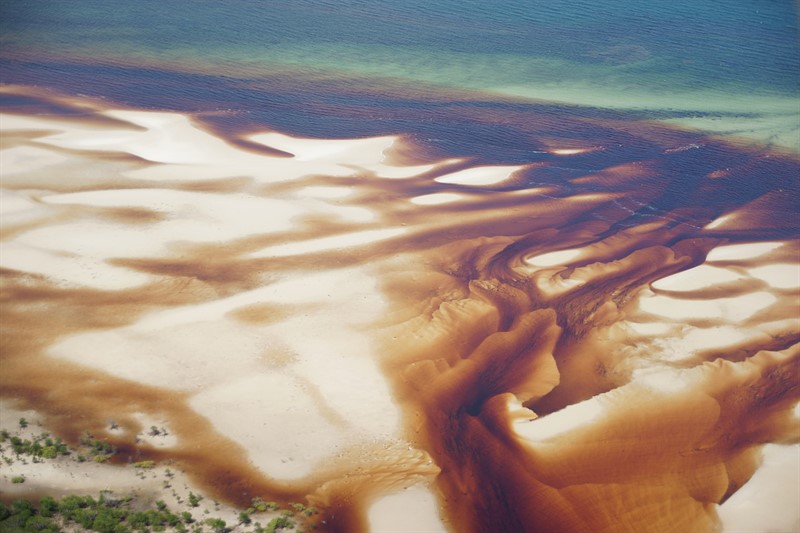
(725, 66)
(659, 45)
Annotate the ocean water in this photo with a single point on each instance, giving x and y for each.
(451, 266)
(725, 66)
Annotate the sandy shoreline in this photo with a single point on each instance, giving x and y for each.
(206, 284)
(296, 392)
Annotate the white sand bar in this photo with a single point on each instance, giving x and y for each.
(489, 175)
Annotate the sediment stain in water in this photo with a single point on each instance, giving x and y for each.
(523, 335)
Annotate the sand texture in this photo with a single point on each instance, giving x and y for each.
(406, 343)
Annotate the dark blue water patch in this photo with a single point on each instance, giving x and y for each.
(662, 43)
(494, 131)
(24, 104)
(686, 180)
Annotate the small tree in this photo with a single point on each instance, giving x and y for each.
(217, 524)
(194, 499)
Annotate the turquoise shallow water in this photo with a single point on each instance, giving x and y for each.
(726, 66)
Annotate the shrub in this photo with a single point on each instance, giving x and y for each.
(217, 524)
(48, 507)
(106, 521)
(281, 522)
(49, 452)
(41, 524)
(194, 499)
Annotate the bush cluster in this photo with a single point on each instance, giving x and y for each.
(104, 515)
(41, 446)
(107, 514)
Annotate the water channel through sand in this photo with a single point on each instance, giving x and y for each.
(373, 329)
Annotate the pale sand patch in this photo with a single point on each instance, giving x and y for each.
(164, 438)
(185, 151)
(396, 173)
(14, 202)
(285, 434)
(733, 309)
(559, 423)
(181, 357)
(320, 191)
(733, 252)
(20, 207)
(572, 151)
(412, 510)
(437, 198)
(29, 159)
(661, 379)
(699, 277)
(721, 221)
(68, 269)
(767, 503)
(341, 367)
(327, 394)
(651, 328)
(55, 477)
(76, 252)
(189, 153)
(263, 170)
(366, 153)
(368, 150)
(778, 275)
(488, 175)
(193, 216)
(336, 212)
(558, 258)
(168, 138)
(693, 340)
(324, 244)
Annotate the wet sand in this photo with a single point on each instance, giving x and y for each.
(407, 339)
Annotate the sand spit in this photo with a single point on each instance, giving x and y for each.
(442, 350)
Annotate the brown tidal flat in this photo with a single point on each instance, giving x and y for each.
(407, 343)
